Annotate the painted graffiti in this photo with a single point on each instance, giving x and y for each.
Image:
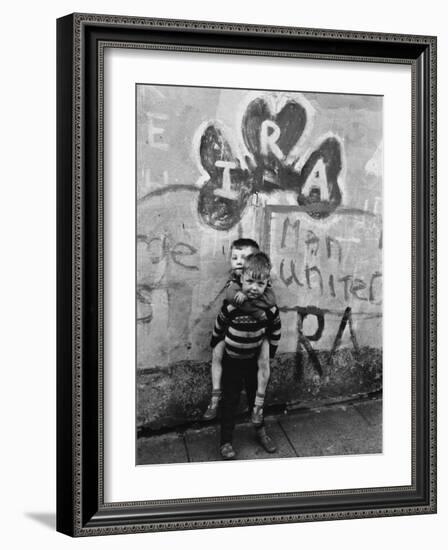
(304, 340)
(351, 287)
(327, 273)
(162, 248)
(324, 264)
(274, 132)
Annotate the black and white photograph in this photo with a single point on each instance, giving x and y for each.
(222, 236)
(259, 274)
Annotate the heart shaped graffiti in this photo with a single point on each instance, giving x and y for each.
(274, 131)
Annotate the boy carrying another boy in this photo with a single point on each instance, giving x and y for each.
(244, 337)
(257, 307)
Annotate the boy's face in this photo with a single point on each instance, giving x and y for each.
(238, 256)
(253, 288)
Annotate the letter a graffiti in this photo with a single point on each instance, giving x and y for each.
(346, 318)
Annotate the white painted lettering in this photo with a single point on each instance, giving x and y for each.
(155, 133)
(269, 135)
(317, 181)
(226, 190)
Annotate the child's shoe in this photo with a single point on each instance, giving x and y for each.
(227, 452)
(266, 441)
(257, 416)
(212, 409)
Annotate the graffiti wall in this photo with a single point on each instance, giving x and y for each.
(301, 173)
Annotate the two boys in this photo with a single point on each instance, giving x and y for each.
(245, 338)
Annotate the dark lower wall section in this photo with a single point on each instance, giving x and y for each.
(178, 394)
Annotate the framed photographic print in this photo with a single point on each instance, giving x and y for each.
(246, 274)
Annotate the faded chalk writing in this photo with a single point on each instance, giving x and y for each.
(161, 248)
(339, 262)
(155, 133)
(295, 226)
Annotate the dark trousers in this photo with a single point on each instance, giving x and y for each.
(236, 375)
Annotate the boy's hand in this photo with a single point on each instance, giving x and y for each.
(240, 298)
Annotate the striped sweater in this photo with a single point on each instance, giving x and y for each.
(243, 334)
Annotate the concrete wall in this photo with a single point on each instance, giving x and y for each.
(211, 168)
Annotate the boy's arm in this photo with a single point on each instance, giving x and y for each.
(221, 323)
(274, 330)
(269, 297)
(267, 300)
(264, 302)
(232, 288)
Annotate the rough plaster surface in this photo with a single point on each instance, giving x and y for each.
(179, 394)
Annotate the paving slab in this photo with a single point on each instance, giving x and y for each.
(311, 435)
(372, 411)
(371, 444)
(248, 448)
(338, 430)
(162, 449)
(203, 444)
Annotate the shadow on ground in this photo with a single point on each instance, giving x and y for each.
(48, 519)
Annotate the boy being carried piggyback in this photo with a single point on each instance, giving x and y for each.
(248, 339)
(257, 307)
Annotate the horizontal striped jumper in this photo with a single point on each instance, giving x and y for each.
(243, 334)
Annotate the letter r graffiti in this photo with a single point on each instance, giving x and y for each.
(268, 139)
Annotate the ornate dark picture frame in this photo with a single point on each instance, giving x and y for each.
(81, 509)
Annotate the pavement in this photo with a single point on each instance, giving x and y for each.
(342, 429)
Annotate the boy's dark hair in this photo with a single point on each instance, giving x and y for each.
(242, 243)
(258, 265)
